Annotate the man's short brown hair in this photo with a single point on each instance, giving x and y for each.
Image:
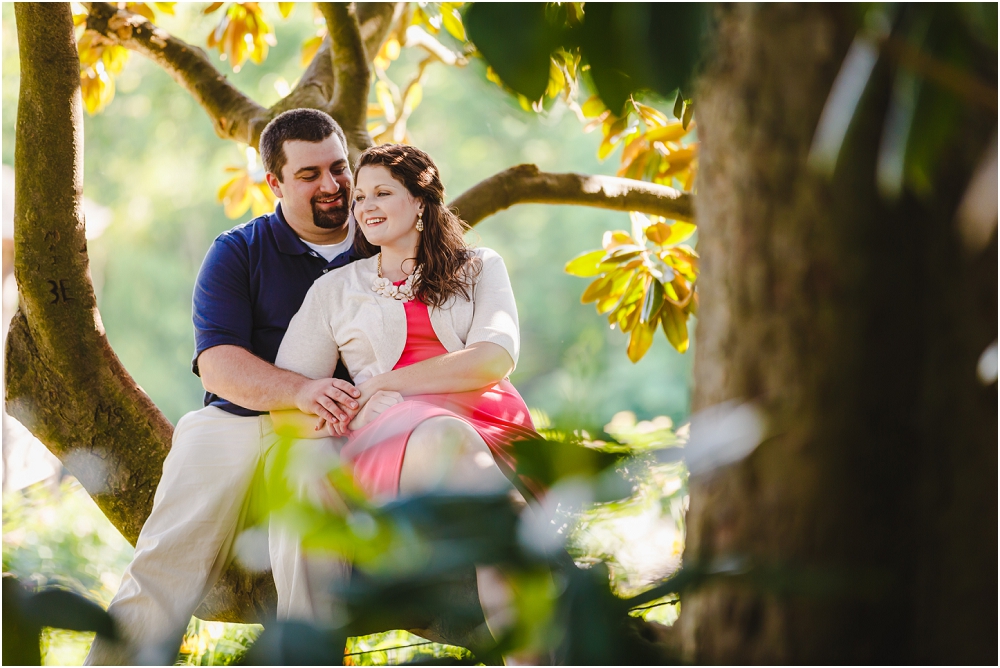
(310, 125)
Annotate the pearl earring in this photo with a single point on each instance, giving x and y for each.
(420, 221)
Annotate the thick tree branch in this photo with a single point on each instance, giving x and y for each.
(64, 382)
(525, 184)
(352, 73)
(234, 115)
(376, 20)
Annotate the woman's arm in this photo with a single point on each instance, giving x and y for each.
(480, 365)
(308, 348)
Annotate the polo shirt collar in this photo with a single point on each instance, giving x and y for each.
(287, 241)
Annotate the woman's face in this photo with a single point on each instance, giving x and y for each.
(385, 209)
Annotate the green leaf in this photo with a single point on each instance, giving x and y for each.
(679, 106)
(652, 303)
(585, 265)
(516, 40)
(688, 114)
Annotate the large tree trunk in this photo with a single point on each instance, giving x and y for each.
(869, 511)
(64, 382)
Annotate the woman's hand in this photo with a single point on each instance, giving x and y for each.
(375, 406)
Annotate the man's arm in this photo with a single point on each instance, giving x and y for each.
(243, 378)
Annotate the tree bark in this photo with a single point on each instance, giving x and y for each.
(525, 184)
(64, 382)
(872, 500)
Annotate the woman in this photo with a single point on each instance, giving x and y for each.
(420, 294)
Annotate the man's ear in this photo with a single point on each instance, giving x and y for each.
(274, 184)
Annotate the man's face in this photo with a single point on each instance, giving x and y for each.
(315, 189)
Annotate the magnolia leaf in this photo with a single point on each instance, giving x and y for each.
(384, 97)
(598, 289)
(669, 132)
(142, 9)
(678, 232)
(414, 95)
(640, 340)
(675, 326)
(688, 113)
(621, 254)
(286, 9)
(585, 265)
(652, 302)
(309, 49)
(593, 107)
(658, 233)
(679, 106)
(452, 21)
(557, 80)
(621, 281)
(613, 238)
(651, 116)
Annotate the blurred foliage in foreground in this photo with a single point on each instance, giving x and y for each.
(611, 526)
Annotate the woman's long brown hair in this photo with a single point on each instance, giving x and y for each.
(447, 265)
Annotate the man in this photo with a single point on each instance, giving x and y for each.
(251, 283)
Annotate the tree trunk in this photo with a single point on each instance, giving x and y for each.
(64, 382)
(868, 513)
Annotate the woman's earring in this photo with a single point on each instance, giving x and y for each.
(420, 221)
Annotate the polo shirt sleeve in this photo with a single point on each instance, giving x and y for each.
(222, 310)
(495, 315)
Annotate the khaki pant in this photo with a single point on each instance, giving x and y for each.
(212, 479)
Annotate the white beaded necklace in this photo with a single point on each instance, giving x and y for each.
(384, 287)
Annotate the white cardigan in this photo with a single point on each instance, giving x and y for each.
(343, 316)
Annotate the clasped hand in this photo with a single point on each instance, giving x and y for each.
(341, 406)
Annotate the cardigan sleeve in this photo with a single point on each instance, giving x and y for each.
(308, 346)
(494, 310)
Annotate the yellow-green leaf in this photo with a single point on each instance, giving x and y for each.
(651, 116)
(414, 95)
(674, 324)
(593, 107)
(309, 49)
(679, 232)
(585, 265)
(598, 289)
(452, 21)
(286, 9)
(669, 132)
(640, 340)
(614, 238)
(384, 97)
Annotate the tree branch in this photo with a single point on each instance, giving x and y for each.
(351, 71)
(234, 115)
(525, 184)
(64, 382)
(376, 20)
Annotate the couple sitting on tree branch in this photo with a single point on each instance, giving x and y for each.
(354, 322)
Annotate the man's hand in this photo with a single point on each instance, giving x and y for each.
(332, 399)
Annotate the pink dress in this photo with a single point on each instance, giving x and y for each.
(497, 413)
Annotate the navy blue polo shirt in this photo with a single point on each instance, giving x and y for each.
(253, 280)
